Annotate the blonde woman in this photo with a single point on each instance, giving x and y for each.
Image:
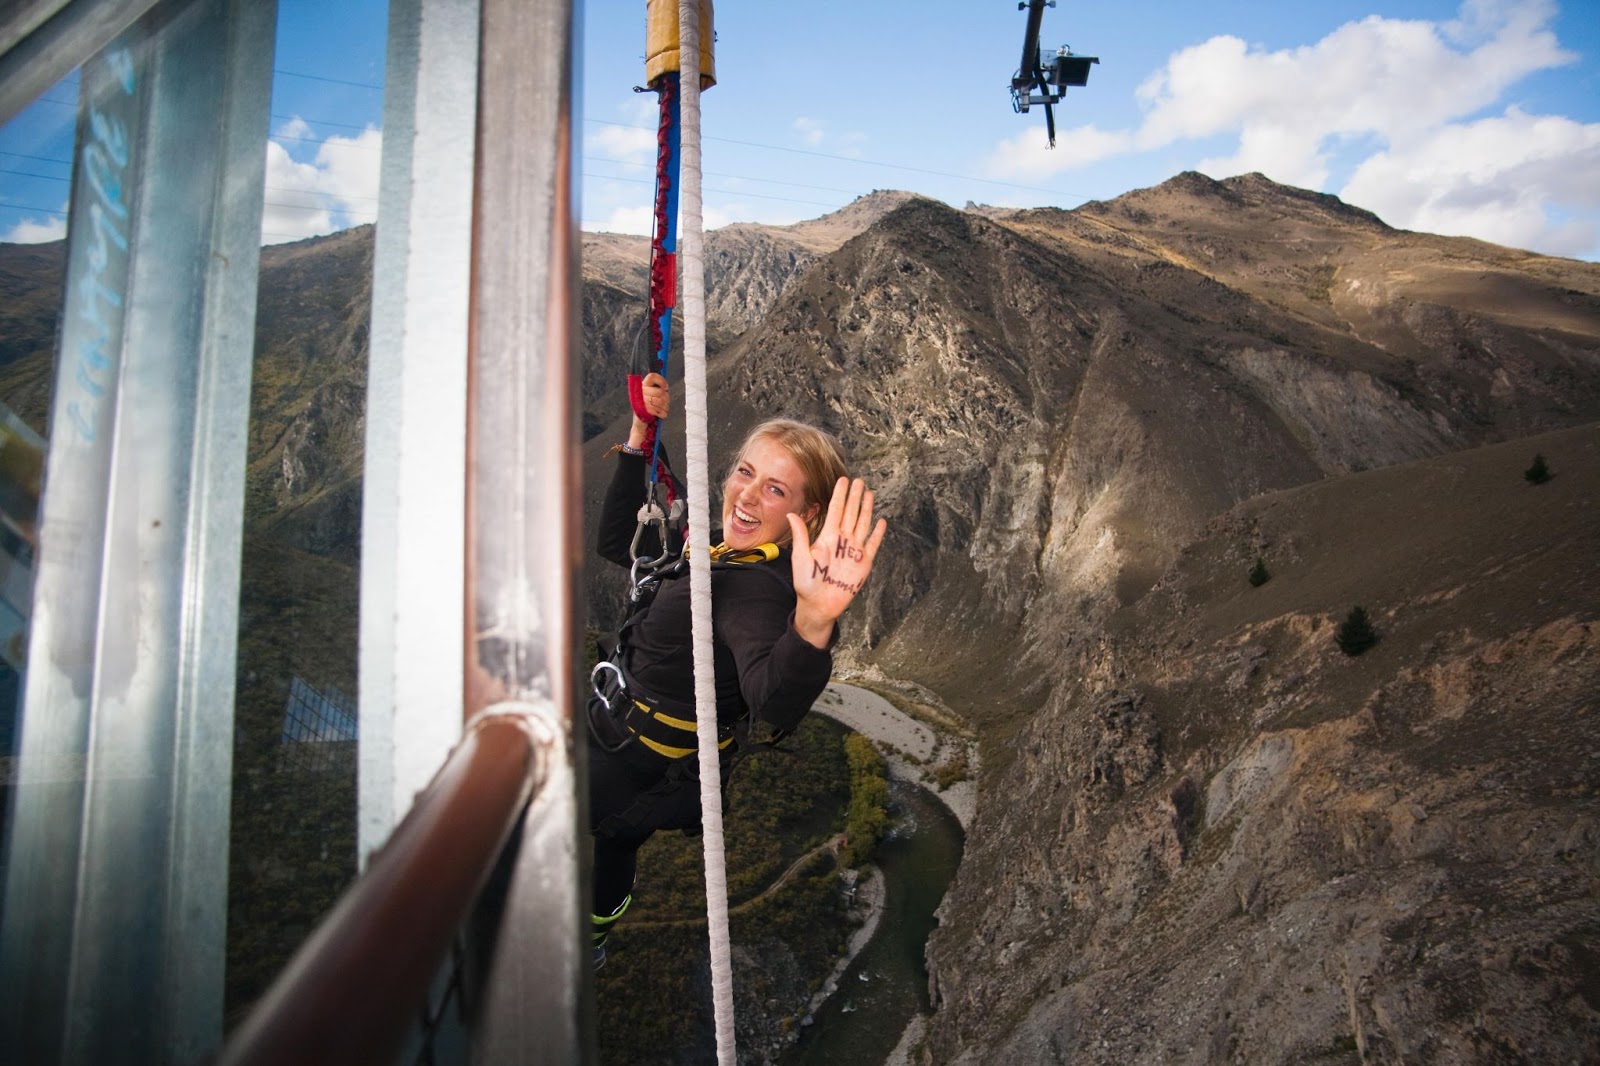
(797, 541)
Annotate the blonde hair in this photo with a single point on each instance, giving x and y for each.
(815, 451)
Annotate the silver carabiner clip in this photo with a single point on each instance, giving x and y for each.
(594, 679)
(650, 514)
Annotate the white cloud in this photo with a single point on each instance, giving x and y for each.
(628, 144)
(810, 130)
(631, 138)
(1479, 20)
(295, 129)
(1412, 92)
(1029, 156)
(637, 220)
(1391, 78)
(1522, 180)
(34, 231)
(336, 189)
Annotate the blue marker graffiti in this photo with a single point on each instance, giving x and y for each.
(101, 203)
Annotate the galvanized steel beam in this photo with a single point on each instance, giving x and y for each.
(412, 533)
(524, 517)
(41, 41)
(116, 893)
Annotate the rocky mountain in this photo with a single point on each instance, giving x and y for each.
(1205, 833)
(1056, 404)
(748, 267)
(1224, 840)
(1085, 426)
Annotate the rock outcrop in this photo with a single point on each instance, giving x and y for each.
(1222, 839)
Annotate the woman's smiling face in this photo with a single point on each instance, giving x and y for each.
(766, 485)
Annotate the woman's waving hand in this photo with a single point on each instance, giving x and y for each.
(829, 571)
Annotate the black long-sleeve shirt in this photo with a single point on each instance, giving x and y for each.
(763, 667)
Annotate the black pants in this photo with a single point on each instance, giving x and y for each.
(633, 793)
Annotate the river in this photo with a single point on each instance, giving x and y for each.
(887, 985)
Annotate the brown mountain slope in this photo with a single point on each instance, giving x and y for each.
(748, 265)
(1226, 840)
(828, 232)
(1193, 802)
(1050, 422)
(748, 268)
(308, 393)
(1460, 306)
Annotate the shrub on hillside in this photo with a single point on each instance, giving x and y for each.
(1355, 633)
(1539, 472)
(1259, 574)
(952, 770)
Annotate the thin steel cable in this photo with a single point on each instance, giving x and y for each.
(694, 370)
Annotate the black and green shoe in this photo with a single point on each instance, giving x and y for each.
(600, 924)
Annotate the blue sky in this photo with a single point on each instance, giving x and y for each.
(1479, 118)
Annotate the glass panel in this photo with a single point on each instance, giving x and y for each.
(36, 152)
(35, 176)
(293, 840)
(36, 165)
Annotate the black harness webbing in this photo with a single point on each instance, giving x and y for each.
(621, 711)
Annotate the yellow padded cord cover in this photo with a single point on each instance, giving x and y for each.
(661, 42)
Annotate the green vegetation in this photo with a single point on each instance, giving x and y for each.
(1259, 574)
(779, 806)
(868, 816)
(1355, 634)
(1539, 472)
(954, 769)
(653, 1000)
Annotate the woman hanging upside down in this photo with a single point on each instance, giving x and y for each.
(797, 542)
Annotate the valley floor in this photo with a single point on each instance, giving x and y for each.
(912, 748)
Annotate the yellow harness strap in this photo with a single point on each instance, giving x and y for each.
(683, 725)
(761, 553)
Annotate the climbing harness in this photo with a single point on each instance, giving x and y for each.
(619, 716)
(620, 710)
(665, 520)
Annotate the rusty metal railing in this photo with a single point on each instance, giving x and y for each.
(505, 812)
(352, 992)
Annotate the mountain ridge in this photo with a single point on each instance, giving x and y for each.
(1085, 426)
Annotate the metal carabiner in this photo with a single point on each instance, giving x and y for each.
(636, 584)
(594, 679)
(650, 514)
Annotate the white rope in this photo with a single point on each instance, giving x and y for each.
(692, 272)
